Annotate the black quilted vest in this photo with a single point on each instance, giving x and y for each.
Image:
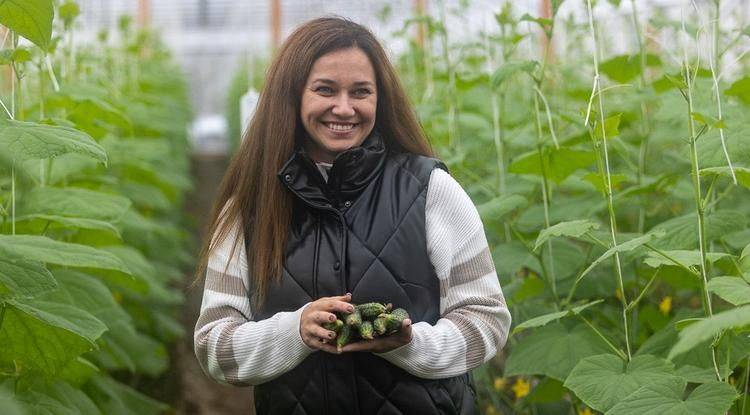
(362, 232)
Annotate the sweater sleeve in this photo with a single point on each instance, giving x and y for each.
(230, 346)
(475, 320)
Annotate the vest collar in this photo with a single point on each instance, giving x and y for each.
(351, 172)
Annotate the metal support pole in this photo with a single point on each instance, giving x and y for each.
(275, 24)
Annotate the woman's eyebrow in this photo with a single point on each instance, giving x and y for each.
(332, 82)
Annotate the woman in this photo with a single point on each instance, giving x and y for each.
(336, 192)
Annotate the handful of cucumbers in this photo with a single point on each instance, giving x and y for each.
(368, 321)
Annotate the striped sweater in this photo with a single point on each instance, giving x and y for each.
(474, 323)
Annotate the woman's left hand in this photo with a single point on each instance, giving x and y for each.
(383, 344)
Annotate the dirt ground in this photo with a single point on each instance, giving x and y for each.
(199, 393)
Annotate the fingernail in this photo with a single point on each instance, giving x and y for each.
(332, 318)
(349, 294)
(330, 335)
(350, 309)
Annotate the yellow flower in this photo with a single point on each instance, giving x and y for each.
(521, 388)
(500, 383)
(665, 305)
(585, 411)
(490, 410)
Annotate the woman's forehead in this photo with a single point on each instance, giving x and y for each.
(351, 65)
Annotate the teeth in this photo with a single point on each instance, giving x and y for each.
(340, 127)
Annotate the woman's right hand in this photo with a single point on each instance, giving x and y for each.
(322, 311)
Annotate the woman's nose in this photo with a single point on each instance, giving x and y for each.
(343, 106)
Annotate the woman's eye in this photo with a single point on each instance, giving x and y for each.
(362, 91)
(324, 89)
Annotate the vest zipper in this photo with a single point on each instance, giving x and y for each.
(315, 257)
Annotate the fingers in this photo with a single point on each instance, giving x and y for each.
(324, 317)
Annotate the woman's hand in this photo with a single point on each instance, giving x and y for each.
(383, 344)
(318, 312)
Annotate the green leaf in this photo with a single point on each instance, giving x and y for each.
(7, 400)
(547, 318)
(604, 380)
(600, 182)
(623, 247)
(41, 248)
(708, 120)
(56, 398)
(553, 350)
(573, 228)
(622, 68)
(741, 173)
(89, 294)
(509, 69)
(665, 396)
(68, 12)
(31, 19)
(36, 224)
(685, 258)
(21, 277)
(28, 140)
(740, 89)
(127, 348)
(733, 290)
(45, 336)
(501, 206)
(115, 398)
(611, 127)
(709, 327)
(681, 232)
(75, 202)
(558, 163)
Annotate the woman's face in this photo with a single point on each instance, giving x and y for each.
(338, 103)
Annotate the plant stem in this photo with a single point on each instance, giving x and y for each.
(453, 132)
(607, 179)
(643, 148)
(695, 171)
(606, 340)
(635, 302)
(13, 198)
(2, 313)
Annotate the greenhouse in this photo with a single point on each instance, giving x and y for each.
(536, 207)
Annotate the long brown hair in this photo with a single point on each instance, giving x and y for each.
(259, 202)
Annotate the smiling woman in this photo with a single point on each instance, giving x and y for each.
(335, 199)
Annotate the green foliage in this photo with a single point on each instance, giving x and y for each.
(92, 178)
(665, 396)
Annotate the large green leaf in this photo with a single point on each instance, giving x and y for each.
(144, 270)
(31, 19)
(604, 380)
(511, 68)
(41, 248)
(126, 348)
(21, 277)
(548, 318)
(87, 293)
(682, 232)
(44, 336)
(707, 328)
(75, 202)
(57, 398)
(740, 89)
(623, 247)
(553, 350)
(665, 397)
(733, 290)
(28, 140)
(741, 173)
(500, 206)
(115, 398)
(682, 257)
(39, 223)
(8, 402)
(558, 163)
(573, 228)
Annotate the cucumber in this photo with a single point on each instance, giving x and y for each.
(371, 310)
(344, 336)
(366, 330)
